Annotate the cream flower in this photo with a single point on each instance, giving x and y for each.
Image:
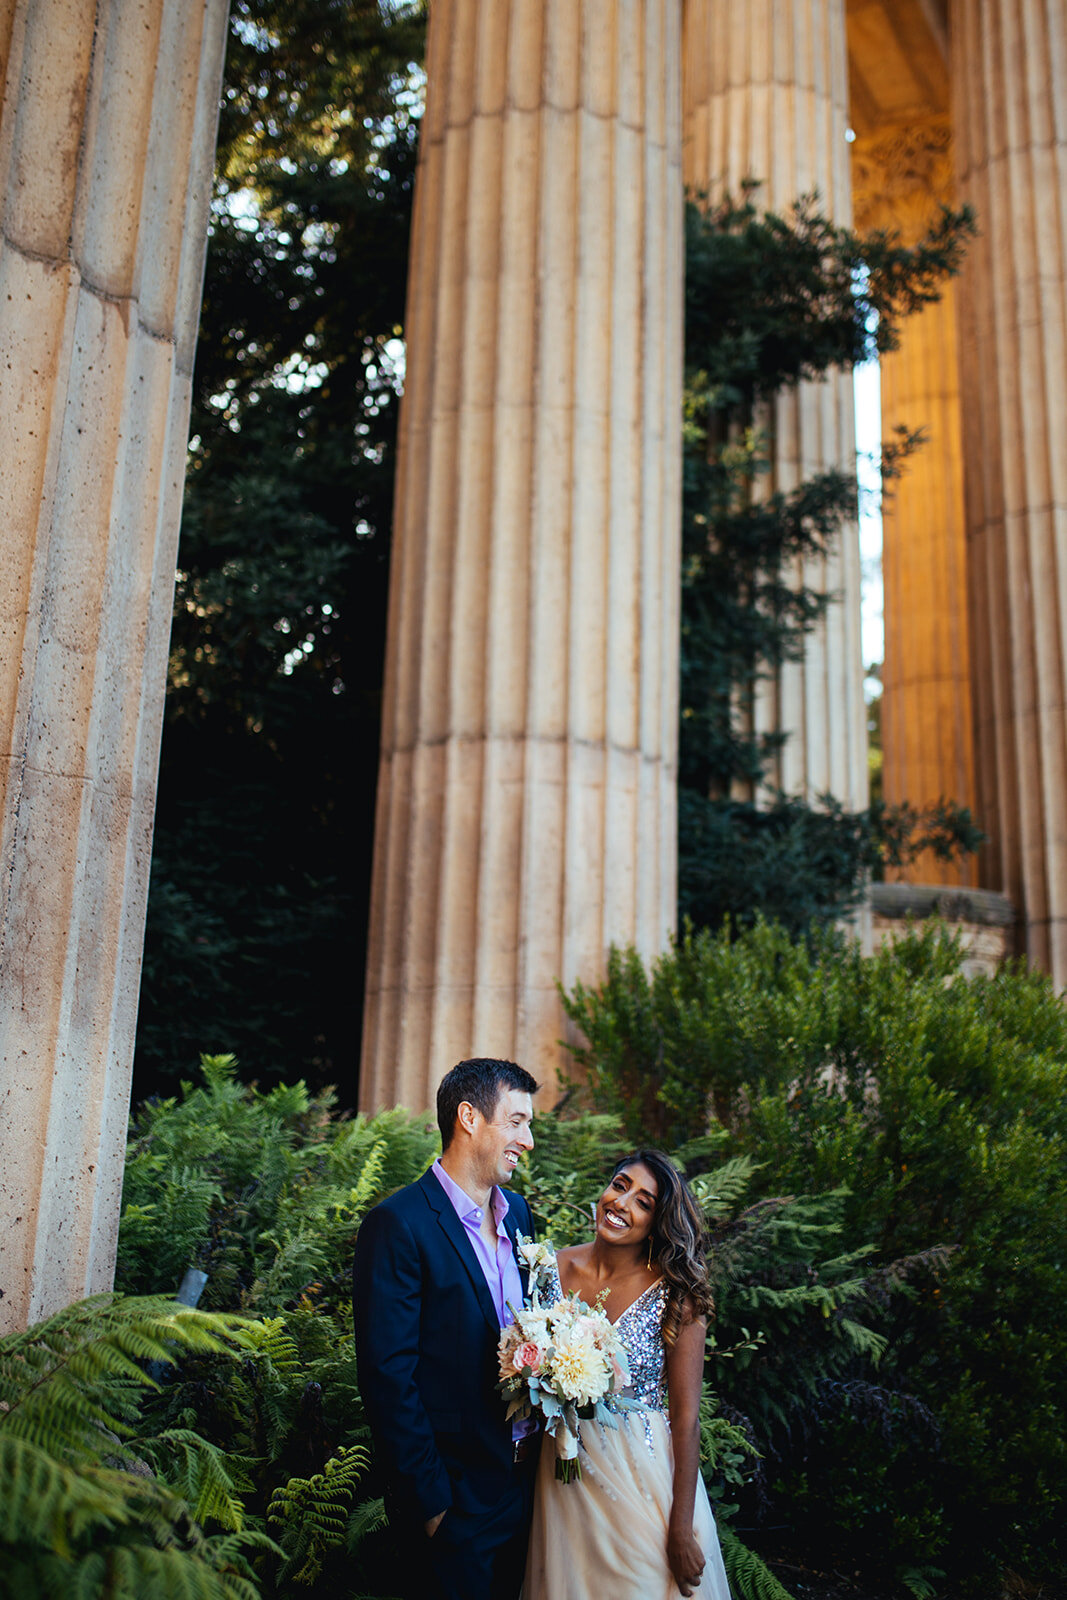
(578, 1366)
(535, 1256)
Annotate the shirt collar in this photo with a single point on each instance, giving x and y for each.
(465, 1208)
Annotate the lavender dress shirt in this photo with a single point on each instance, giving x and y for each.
(501, 1271)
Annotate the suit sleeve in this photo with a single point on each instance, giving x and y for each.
(387, 1302)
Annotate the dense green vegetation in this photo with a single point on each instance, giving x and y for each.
(879, 1146)
(248, 1468)
(938, 1106)
(772, 301)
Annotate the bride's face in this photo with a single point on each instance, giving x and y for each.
(626, 1210)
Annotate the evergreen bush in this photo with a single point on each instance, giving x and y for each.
(935, 1109)
(879, 1149)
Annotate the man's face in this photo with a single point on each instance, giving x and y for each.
(499, 1141)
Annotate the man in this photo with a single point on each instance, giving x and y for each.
(435, 1271)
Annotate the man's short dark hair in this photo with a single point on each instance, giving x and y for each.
(480, 1083)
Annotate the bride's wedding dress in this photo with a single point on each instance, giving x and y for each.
(606, 1534)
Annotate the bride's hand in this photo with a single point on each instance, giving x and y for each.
(685, 1558)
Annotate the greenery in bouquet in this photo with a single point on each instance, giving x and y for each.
(567, 1362)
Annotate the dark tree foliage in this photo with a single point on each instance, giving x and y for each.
(772, 301)
(257, 908)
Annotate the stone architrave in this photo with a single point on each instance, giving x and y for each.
(902, 176)
(526, 799)
(766, 97)
(1009, 95)
(106, 146)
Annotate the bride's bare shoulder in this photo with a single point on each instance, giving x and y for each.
(571, 1259)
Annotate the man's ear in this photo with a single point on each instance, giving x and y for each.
(467, 1116)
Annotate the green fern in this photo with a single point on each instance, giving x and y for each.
(79, 1372)
(726, 1450)
(82, 1513)
(311, 1513)
(922, 1583)
(367, 1518)
(749, 1576)
(208, 1478)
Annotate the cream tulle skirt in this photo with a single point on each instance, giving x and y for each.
(606, 1534)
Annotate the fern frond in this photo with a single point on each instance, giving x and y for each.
(865, 1341)
(46, 1502)
(171, 1574)
(748, 1575)
(367, 1518)
(718, 1192)
(311, 1512)
(68, 1384)
(201, 1473)
(269, 1339)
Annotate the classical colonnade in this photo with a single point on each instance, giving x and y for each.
(526, 790)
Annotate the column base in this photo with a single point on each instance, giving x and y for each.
(984, 920)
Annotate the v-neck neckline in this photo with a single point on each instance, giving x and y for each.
(626, 1309)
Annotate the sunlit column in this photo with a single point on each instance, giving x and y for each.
(526, 798)
(902, 176)
(106, 146)
(766, 97)
(1009, 85)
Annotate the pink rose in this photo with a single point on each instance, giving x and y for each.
(527, 1355)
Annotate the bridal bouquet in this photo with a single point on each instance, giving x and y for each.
(564, 1360)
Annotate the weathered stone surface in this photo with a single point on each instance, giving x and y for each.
(106, 145)
(1009, 96)
(982, 920)
(526, 791)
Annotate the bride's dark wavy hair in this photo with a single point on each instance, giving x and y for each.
(678, 1245)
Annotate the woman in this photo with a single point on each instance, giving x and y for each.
(637, 1525)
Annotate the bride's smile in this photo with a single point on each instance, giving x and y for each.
(628, 1205)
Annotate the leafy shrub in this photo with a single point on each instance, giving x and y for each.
(81, 1511)
(867, 1332)
(264, 1192)
(936, 1108)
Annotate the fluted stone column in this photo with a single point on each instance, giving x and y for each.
(766, 97)
(1009, 86)
(526, 801)
(106, 148)
(902, 175)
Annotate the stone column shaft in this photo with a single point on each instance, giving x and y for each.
(526, 810)
(926, 711)
(1009, 86)
(106, 147)
(903, 173)
(766, 97)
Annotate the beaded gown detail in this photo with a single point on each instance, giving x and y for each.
(606, 1534)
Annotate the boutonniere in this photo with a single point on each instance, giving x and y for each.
(538, 1257)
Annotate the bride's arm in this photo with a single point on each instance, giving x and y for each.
(685, 1370)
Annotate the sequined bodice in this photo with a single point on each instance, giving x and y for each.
(640, 1327)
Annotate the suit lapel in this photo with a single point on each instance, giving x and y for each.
(456, 1235)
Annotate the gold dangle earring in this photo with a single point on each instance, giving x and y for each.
(650, 1252)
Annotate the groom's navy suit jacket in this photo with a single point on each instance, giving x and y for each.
(426, 1341)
